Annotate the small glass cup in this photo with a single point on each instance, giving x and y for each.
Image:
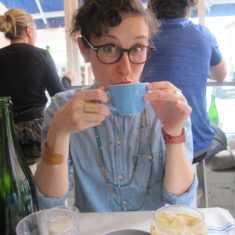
(54, 221)
(178, 220)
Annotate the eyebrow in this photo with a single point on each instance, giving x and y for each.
(115, 38)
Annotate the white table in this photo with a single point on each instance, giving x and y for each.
(100, 223)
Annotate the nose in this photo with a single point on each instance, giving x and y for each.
(124, 65)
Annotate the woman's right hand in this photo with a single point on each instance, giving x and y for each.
(73, 117)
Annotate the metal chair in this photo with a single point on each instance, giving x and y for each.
(219, 143)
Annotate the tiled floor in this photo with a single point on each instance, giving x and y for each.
(221, 185)
(221, 189)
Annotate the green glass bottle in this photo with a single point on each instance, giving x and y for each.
(17, 191)
(48, 48)
(213, 112)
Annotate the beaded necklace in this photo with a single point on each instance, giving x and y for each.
(103, 169)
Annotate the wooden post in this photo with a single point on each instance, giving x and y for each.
(73, 53)
(201, 11)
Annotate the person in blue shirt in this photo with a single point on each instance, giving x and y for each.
(119, 162)
(187, 54)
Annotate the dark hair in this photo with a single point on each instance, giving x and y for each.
(170, 8)
(96, 16)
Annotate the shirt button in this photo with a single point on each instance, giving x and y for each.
(150, 157)
(121, 177)
(118, 142)
(124, 202)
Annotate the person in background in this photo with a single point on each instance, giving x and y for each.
(187, 54)
(67, 79)
(119, 162)
(26, 72)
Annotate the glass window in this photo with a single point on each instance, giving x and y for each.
(220, 19)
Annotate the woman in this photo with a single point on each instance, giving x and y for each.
(187, 55)
(27, 72)
(120, 162)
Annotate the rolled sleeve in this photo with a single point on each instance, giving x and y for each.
(183, 199)
(46, 202)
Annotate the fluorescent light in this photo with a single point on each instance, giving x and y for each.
(3, 9)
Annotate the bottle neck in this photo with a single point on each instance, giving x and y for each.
(5, 105)
(6, 119)
(212, 99)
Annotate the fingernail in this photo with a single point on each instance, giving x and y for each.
(150, 85)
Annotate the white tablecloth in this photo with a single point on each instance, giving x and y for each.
(218, 220)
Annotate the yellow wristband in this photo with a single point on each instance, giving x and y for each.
(50, 157)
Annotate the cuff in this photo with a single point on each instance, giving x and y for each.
(46, 202)
(183, 199)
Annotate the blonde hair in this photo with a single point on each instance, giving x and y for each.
(14, 21)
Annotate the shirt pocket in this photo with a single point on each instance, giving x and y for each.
(149, 170)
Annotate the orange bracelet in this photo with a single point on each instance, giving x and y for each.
(50, 157)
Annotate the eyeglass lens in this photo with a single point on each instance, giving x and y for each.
(111, 53)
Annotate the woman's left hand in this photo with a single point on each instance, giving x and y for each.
(169, 105)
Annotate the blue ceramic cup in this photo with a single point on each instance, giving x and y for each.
(127, 99)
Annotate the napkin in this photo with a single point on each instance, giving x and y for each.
(220, 222)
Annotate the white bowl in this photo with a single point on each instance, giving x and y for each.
(127, 232)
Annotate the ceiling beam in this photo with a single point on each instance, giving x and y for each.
(41, 11)
(49, 14)
(201, 12)
(215, 2)
(3, 9)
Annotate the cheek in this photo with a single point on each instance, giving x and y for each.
(137, 71)
(103, 73)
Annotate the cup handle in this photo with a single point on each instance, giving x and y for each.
(108, 105)
(111, 107)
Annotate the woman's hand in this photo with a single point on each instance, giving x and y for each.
(74, 116)
(71, 117)
(70, 75)
(169, 105)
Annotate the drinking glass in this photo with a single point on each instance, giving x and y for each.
(178, 220)
(54, 221)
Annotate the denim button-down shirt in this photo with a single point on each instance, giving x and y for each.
(119, 136)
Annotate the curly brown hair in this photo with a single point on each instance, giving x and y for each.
(170, 8)
(96, 16)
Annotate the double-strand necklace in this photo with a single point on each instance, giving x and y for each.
(108, 183)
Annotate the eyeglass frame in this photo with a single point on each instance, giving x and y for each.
(122, 50)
